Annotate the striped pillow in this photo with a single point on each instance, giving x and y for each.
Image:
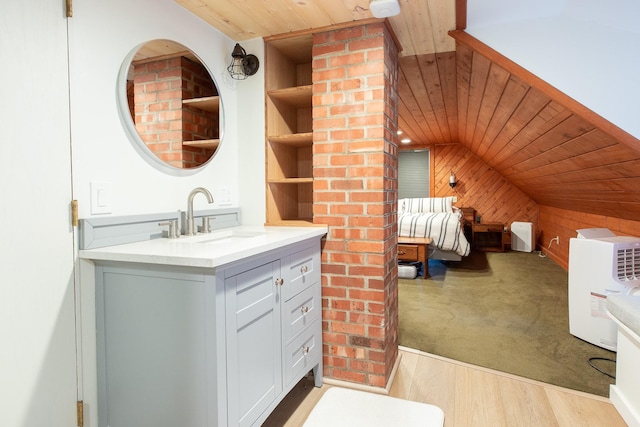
(428, 204)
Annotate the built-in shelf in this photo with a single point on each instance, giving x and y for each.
(298, 96)
(210, 104)
(206, 103)
(293, 139)
(301, 222)
(203, 143)
(291, 181)
(289, 130)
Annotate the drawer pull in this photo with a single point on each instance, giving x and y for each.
(304, 269)
(402, 253)
(280, 281)
(304, 309)
(305, 350)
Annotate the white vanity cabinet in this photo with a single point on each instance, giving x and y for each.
(273, 331)
(302, 312)
(193, 346)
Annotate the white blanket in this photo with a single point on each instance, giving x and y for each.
(445, 229)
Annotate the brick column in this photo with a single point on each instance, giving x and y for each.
(355, 193)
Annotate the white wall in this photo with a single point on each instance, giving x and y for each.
(101, 35)
(250, 141)
(588, 49)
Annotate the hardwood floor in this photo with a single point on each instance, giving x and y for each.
(470, 396)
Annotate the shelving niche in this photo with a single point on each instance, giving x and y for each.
(210, 104)
(289, 130)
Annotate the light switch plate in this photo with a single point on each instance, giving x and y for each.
(224, 195)
(100, 197)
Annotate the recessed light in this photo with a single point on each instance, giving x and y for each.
(405, 140)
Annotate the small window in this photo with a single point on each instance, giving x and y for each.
(413, 174)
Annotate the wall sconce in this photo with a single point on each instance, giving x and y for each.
(242, 65)
(452, 180)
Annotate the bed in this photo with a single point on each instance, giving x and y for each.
(437, 218)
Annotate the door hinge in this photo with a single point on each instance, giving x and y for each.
(74, 213)
(80, 412)
(69, 8)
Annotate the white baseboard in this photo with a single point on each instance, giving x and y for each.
(622, 405)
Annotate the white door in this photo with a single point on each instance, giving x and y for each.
(37, 331)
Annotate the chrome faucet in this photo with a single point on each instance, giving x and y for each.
(190, 229)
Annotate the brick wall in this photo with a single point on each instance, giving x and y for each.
(159, 86)
(355, 193)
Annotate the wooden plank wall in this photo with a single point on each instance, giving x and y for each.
(479, 186)
(564, 223)
(497, 200)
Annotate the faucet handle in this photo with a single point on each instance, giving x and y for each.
(172, 233)
(206, 224)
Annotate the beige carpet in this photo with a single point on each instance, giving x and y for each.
(505, 311)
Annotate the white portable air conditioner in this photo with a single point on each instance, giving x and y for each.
(599, 267)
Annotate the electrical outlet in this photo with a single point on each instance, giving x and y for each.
(557, 239)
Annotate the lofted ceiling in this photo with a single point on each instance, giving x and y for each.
(454, 89)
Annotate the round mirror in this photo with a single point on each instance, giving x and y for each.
(170, 106)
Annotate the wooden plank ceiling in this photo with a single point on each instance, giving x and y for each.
(456, 90)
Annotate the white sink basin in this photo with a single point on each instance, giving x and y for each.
(229, 235)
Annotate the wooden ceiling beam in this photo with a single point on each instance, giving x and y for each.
(461, 14)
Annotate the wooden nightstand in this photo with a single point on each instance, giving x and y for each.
(468, 217)
(488, 236)
(415, 249)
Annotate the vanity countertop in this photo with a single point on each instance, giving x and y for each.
(206, 250)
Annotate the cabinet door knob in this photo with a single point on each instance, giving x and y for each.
(304, 269)
(304, 309)
(305, 349)
(280, 281)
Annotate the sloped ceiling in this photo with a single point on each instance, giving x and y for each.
(453, 89)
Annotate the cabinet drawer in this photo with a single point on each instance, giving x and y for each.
(301, 311)
(303, 271)
(487, 228)
(408, 252)
(303, 353)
